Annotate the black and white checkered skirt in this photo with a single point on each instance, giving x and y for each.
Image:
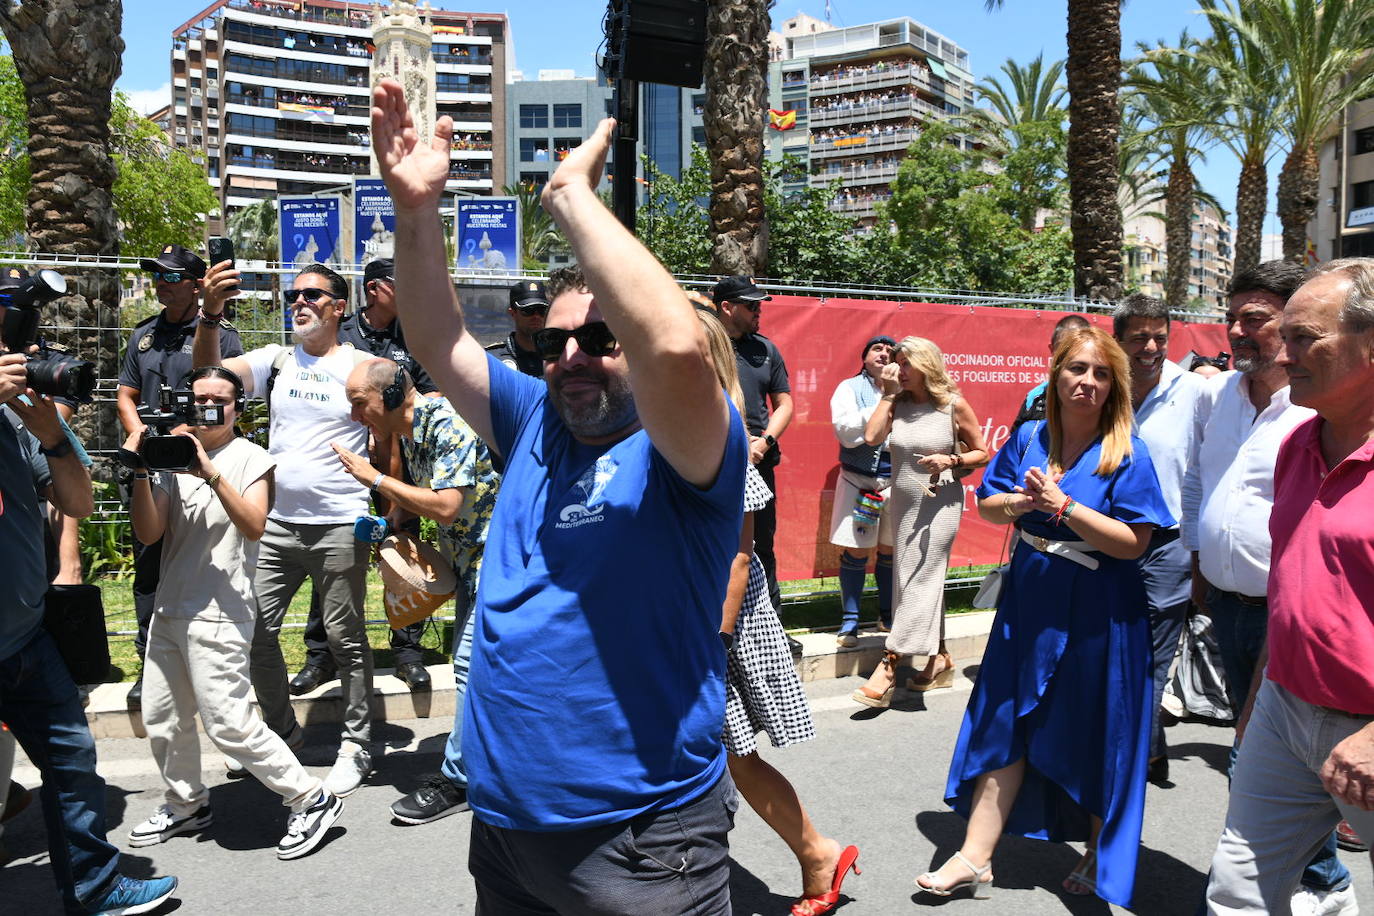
(762, 690)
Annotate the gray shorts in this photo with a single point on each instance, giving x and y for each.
(661, 862)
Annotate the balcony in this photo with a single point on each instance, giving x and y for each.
(873, 79)
(476, 60)
(859, 206)
(308, 163)
(321, 44)
(302, 110)
(354, 19)
(862, 144)
(906, 107)
(856, 176)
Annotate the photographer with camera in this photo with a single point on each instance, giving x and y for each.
(38, 699)
(159, 354)
(209, 516)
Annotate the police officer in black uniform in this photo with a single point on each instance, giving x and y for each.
(373, 329)
(529, 306)
(159, 353)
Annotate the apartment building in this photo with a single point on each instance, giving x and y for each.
(857, 97)
(1211, 255)
(1344, 223)
(275, 96)
(551, 115)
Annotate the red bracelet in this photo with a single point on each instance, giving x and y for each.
(1064, 511)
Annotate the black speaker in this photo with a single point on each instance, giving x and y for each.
(656, 41)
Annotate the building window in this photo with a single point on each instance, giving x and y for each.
(564, 145)
(1364, 141)
(534, 116)
(534, 149)
(699, 136)
(567, 115)
(1362, 194)
(534, 179)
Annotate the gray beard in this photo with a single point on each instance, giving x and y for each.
(612, 411)
(1249, 361)
(313, 335)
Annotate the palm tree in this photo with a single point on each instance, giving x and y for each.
(538, 235)
(1176, 95)
(1323, 48)
(736, 100)
(1254, 115)
(1034, 94)
(67, 54)
(254, 231)
(1094, 76)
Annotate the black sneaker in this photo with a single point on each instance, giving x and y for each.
(437, 798)
(162, 825)
(306, 828)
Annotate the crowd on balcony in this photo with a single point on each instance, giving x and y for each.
(871, 132)
(863, 100)
(471, 142)
(851, 71)
(338, 103)
(861, 168)
(851, 199)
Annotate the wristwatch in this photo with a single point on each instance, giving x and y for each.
(61, 449)
(771, 440)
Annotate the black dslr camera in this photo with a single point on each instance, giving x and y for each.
(162, 451)
(49, 372)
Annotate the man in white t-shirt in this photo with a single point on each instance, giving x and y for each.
(310, 528)
(209, 519)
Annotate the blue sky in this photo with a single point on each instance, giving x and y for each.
(568, 41)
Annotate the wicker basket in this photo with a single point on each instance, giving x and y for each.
(416, 578)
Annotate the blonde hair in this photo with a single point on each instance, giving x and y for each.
(1117, 418)
(722, 352)
(925, 357)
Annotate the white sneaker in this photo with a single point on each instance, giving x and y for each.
(349, 770)
(1310, 902)
(162, 825)
(307, 827)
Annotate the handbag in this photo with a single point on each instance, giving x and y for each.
(1199, 680)
(991, 589)
(74, 617)
(961, 471)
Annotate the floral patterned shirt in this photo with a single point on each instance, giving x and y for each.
(444, 453)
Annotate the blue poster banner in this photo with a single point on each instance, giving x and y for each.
(309, 229)
(374, 221)
(488, 231)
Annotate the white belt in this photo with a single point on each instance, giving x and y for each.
(1069, 550)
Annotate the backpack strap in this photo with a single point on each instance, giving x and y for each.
(359, 357)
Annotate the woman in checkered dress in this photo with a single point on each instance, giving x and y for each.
(762, 691)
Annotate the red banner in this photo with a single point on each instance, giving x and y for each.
(995, 355)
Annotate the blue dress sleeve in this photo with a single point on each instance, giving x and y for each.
(1003, 474)
(1134, 496)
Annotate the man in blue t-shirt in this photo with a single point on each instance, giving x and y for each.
(593, 719)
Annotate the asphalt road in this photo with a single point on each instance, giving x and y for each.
(870, 778)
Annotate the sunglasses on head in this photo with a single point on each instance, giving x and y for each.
(311, 294)
(168, 276)
(594, 339)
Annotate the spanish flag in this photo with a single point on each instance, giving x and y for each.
(782, 120)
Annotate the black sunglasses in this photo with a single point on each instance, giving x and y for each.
(167, 276)
(594, 339)
(311, 294)
(750, 305)
(534, 308)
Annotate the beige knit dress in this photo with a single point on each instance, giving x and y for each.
(923, 526)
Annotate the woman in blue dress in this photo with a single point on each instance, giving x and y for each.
(1055, 740)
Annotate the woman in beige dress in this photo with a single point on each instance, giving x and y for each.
(931, 432)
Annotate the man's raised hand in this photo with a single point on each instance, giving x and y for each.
(414, 172)
(583, 167)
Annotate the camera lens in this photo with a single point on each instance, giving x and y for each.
(62, 376)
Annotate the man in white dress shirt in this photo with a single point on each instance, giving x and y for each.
(1242, 418)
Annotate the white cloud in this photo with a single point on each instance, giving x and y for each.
(147, 101)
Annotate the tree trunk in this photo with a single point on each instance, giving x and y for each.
(736, 99)
(1299, 181)
(1094, 77)
(1178, 218)
(1252, 193)
(67, 54)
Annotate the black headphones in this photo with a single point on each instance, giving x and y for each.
(394, 395)
(228, 375)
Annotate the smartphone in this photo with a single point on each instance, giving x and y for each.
(221, 249)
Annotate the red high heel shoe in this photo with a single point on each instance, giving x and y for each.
(817, 904)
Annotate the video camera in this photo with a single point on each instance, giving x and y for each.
(49, 372)
(1222, 361)
(162, 451)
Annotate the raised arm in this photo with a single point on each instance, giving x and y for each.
(680, 404)
(415, 169)
(879, 424)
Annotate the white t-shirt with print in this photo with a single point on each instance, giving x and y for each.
(207, 564)
(309, 410)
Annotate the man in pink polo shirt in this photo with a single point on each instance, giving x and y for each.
(1307, 755)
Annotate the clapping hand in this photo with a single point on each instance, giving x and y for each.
(413, 167)
(1043, 490)
(583, 167)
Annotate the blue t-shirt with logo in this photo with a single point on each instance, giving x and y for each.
(596, 690)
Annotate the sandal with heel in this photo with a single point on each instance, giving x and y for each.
(816, 904)
(1082, 881)
(869, 697)
(945, 678)
(978, 887)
